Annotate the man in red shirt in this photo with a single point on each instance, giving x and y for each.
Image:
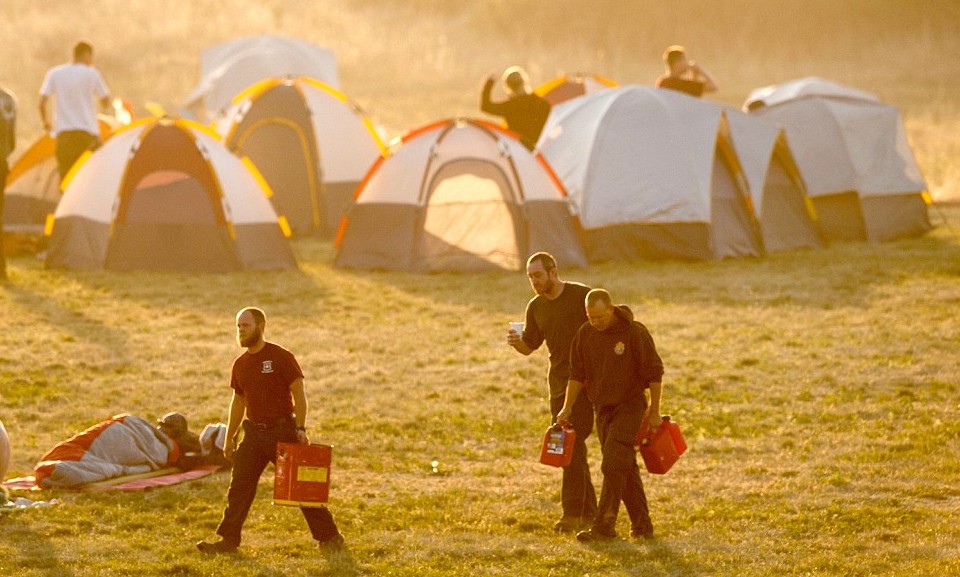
(270, 403)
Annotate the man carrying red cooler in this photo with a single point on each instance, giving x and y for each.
(613, 358)
(270, 403)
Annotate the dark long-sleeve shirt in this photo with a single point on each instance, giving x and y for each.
(617, 364)
(525, 113)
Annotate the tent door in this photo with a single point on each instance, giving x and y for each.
(170, 224)
(285, 154)
(471, 220)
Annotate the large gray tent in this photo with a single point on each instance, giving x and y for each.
(854, 157)
(649, 176)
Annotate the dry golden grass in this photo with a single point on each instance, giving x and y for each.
(818, 390)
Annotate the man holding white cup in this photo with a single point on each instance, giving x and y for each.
(553, 316)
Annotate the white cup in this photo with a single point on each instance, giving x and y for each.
(517, 327)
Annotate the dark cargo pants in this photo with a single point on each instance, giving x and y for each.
(617, 428)
(259, 447)
(577, 494)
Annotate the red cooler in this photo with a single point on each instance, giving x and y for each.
(557, 448)
(302, 477)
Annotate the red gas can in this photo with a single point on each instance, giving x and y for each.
(557, 448)
(660, 450)
(302, 478)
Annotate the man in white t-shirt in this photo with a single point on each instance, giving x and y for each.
(77, 88)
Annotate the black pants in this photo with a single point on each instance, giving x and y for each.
(70, 145)
(577, 494)
(617, 428)
(258, 448)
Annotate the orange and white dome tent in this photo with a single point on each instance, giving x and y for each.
(458, 195)
(165, 194)
(310, 142)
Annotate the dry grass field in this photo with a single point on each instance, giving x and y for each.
(819, 390)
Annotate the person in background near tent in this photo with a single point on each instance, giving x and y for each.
(8, 141)
(613, 358)
(270, 404)
(524, 111)
(683, 74)
(76, 87)
(554, 315)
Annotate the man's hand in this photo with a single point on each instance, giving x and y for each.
(302, 437)
(228, 448)
(652, 419)
(563, 417)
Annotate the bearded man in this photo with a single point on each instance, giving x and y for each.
(270, 404)
(553, 316)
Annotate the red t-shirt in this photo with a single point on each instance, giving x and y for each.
(264, 379)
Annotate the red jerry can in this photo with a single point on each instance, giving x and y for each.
(557, 448)
(302, 477)
(660, 450)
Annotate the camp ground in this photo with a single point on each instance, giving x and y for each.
(852, 151)
(310, 142)
(166, 195)
(458, 195)
(815, 379)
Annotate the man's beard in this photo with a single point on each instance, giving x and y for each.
(547, 288)
(251, 339)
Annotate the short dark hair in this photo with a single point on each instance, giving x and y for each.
(259, 317)
(81, 48)
(598, 296)
(546, 260)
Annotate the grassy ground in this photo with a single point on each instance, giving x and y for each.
(818, 392)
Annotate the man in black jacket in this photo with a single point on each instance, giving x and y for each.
(614, 360)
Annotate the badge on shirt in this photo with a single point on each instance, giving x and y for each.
(267, 367)
(619, 348)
